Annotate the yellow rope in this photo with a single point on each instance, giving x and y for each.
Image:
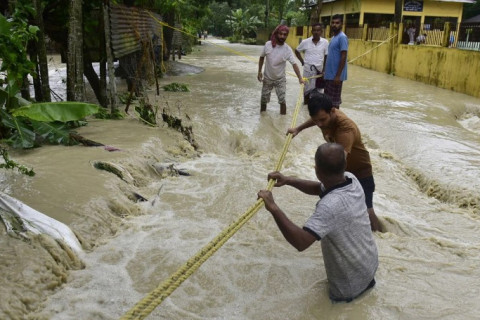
(368, 51)
(144, 307)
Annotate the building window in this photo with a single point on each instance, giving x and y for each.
(439, 22)
(377, 20)
(299, 31)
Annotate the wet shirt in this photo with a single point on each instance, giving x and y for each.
(345, 132)
(349, 251)
(337, 44)
(275, 60)
(314, 53)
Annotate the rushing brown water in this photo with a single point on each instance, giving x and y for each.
(425, 148)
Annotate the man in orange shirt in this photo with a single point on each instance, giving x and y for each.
(337, 127)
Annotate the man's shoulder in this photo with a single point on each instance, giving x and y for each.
(343, 118)
(324, 42)
(344, 124)
(339, 38)
(307, 40)
(304, 44)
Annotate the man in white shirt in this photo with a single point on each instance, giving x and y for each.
(275, 54)
(315, 50)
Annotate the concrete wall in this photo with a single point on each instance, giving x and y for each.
(449, 68)
(378, 59)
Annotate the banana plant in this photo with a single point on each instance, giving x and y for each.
(24, 124)
(30, 124)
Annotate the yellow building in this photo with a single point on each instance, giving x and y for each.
(429, 13)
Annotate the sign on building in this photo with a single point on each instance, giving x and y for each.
(413, 5)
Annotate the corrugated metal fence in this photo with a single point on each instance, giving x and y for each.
(130, 27)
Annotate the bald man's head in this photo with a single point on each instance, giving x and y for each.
(330, 159)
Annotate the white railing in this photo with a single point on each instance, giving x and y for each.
(468, 45)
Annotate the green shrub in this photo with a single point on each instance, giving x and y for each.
(176, 87)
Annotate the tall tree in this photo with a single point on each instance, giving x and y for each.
(75, 84)
(315, 13)
(41, 52)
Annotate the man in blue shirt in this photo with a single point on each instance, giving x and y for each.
(336, 66)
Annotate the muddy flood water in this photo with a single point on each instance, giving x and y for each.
(425, 148)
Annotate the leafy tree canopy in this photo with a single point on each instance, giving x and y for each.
(471, 10)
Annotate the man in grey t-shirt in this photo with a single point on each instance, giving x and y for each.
(340, 221)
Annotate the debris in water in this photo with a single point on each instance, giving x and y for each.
(139, 198)
(176, 87)
(165, 169)
(116, 169)
(111, 149)
(22, 221)
(176, 123)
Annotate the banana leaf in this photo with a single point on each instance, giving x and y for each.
(53, 132)
(3, 96)
(4, 25)
(10, 98)
(22, 137)
(56, 111)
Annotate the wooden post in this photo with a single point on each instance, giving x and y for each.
(391, 43)
(365, 32)
(446, 34)
(112, 88)
(400, 33)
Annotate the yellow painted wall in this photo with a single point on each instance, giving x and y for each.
(340, 7)
(442, 9)
(378, 59)
(293, 41)
(378, 6)
(447, 68)
(430, 8)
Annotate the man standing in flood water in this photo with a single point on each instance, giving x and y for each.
(339, 221)
(315, 49)
(337, 127)
(336, 65)
(275, 54)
